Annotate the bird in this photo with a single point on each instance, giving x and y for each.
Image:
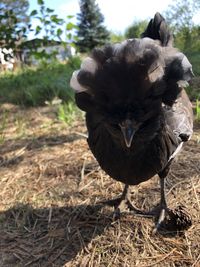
(138, 114)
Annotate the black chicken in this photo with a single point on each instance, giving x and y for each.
(138, 114)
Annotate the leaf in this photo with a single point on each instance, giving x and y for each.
(69, 36)
(55, 19)
(40, 2)
(70, 26)
(49, 10)
(70, 16)
(59, 32)
(47, 22)
(29, 26)
(38, 29)
(33, 13)
(24, 29)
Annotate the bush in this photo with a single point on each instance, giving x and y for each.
(136, 29)
(32, 87)
(194, 89)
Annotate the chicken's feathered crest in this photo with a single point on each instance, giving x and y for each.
(135, 69)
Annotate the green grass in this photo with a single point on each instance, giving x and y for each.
(3, 125)
(34, 86)
(68, 112)
(197, 110)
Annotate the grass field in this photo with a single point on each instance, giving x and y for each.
(51, 187)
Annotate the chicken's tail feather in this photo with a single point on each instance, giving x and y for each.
(157, 29)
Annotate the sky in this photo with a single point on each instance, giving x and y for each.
(118, 14)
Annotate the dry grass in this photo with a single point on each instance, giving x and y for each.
(50, 189)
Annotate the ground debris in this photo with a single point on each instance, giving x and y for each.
(51, 193)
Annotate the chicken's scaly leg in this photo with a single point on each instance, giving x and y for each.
(171, 220)
(123, 202)
(163, 204)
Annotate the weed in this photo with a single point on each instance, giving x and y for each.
(198, 110)
(20, 124)
(68, 112)
(3, 126)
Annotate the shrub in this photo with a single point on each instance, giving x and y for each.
(34, 86)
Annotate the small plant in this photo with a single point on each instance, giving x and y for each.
(198, 110)
(20, 124)
(67, 112)
(3, 123)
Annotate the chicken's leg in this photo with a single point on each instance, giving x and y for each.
(171, 220)
(123, 203)
(163, 205)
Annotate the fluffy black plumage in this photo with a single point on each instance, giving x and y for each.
(137, 112)
(157, 30)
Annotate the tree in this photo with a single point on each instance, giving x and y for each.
(13, 22)
(48, 23)
(91, 32)
(51, 30)
(179, 16)
(116, 37)
(136, 29)
(18, 7)
(15, 26)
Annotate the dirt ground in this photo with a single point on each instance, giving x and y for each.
(51, 188)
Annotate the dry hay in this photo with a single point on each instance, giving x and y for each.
(50, 189)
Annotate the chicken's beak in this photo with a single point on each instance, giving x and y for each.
(127, 131)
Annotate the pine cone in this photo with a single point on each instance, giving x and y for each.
(177, 220)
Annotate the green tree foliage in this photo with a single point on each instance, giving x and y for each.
(15, 26)
(179, 16)
(91, 32)
(49, 24)
(18, 7)
(116, 37)
(136, 29)
(51, 29)
(14, 22)
(188, 40)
